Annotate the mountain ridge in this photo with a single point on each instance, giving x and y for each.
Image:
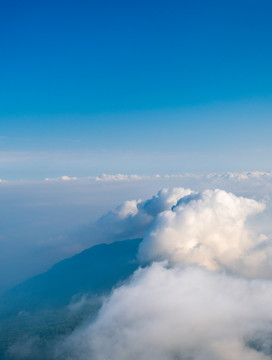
(93, 270)
(42, 306)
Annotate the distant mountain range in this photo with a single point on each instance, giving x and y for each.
(50, 305)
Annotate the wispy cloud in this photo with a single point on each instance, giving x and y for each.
(120, 177)
(62, 178)
(246, 177)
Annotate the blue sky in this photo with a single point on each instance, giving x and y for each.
(148, 86)
(131, 87)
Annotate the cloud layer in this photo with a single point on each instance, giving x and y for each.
(176, 313)
(253, 177)
(202, 295)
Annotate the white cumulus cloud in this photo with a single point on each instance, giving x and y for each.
(132, 218)
(205, 293)
(209, 229)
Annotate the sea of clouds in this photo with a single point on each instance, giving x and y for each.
(45, 221)
(203, 291)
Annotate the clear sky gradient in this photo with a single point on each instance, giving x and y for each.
(134, 86)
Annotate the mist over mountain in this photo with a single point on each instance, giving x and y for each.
(95, 271)
(43, 222)
(196, 285)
